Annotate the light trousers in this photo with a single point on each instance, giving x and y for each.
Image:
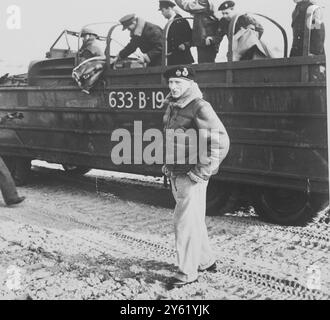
(191, 237)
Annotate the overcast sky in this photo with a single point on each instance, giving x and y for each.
(43, 20)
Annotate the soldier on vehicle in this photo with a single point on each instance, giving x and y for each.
(187, 110)
(245, 21)
(179, 36)
(89, 48)
(299, 25)
(7, 184)
(204, 28)
(246, 29)
(145, 36)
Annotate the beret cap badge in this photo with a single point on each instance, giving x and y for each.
(185, 72)
(178, 73)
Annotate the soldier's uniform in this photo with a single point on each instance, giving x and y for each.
(189, 181)
(179, 33)
(205, 25)
(89, 48)
(242, 22)
(245, 21)
(147, 37)
(298, 27)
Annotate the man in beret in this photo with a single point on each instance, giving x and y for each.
(205, 28)
(187, 111)
(245, 21)
(7, 184)
(299, 17)
(179, 36)
(145, 36)
(89, 48)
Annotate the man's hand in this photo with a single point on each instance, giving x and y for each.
(140, 59)
(182, 47)
(144, 59)
(114, 61)
(165, 171)
(194, 178)
(208, 41)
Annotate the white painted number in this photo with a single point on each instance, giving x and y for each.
(157, 99)
(112, 100)
(125, 100)
(121, 97)
(129, 97)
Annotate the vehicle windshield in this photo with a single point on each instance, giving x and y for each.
(67, 41)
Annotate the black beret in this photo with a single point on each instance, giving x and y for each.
(182, 72)
(166, 4)
(227, 5)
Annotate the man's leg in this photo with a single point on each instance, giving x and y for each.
(7, 184)
(207, 258)
(189, 212)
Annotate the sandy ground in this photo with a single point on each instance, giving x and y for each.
(69, 242)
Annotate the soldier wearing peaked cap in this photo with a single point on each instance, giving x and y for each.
(144, 35)
(179, 36)
(127, 20)
(89, 48)
(187, 111)
(166, 4)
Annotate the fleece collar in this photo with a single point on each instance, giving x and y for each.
(190, 95)
(139, 27)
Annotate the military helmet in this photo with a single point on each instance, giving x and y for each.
(86, 30)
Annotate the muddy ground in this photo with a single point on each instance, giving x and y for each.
(69, 240)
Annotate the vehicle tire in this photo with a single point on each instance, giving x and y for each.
(75, 170)
(284, 207)
(20, 169)
(221, 198)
